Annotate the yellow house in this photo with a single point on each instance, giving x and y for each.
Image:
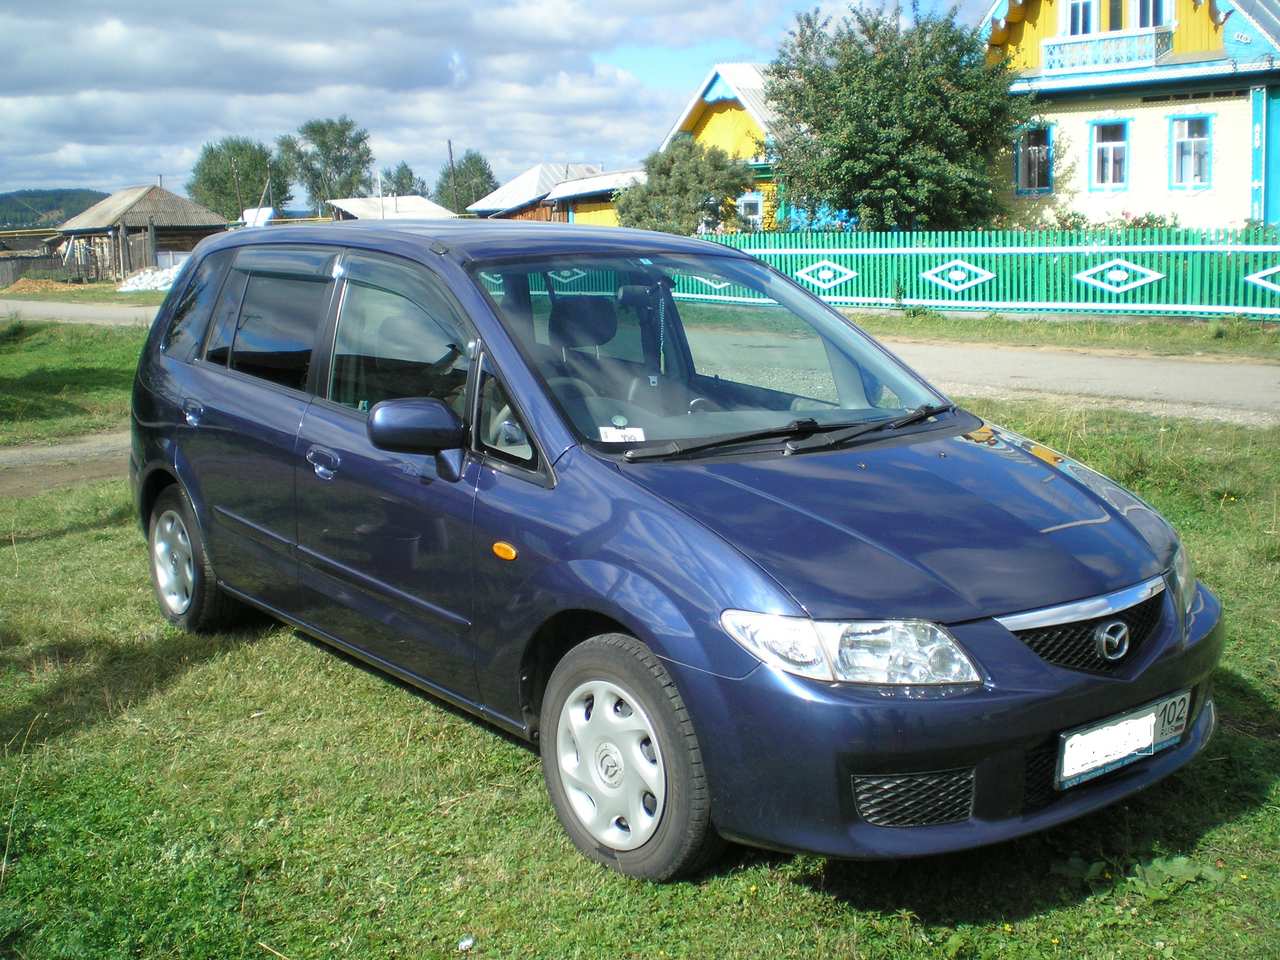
(1169, 107)
(589, 199)
(729, 111)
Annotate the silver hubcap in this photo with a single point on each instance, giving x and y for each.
(610, 765)
(171, 556)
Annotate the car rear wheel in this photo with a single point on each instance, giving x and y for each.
(622, 763)
(186, 588)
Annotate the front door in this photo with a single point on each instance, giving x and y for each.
(384, 543)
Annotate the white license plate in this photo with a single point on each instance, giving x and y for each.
(1099, 748)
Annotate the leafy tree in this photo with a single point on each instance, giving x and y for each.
(687, 188)
(470, 179)
(331, 158)
(897, 121)
(230, 175)
(401, 182)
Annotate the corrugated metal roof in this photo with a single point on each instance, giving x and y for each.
(746, 80)
(137, 206)
(411, 207)
(534, 184)
(600, 183)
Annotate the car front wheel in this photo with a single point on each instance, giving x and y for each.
(622, 763)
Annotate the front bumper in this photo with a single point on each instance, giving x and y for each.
(782, 752)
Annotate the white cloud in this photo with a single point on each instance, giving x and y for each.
(112, 97)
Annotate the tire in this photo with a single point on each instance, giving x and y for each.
(186, 589)
(643, 747)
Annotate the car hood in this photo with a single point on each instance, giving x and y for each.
(938, 526)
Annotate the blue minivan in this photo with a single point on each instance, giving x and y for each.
(646, 502)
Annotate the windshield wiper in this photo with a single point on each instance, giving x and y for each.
(892, 423)
(672, 448)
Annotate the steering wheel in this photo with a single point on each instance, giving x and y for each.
(703, 405)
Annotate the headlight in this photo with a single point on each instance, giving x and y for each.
(1184, 578)
(863, 651)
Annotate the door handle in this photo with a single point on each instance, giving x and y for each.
(192, 411)
(325, 462)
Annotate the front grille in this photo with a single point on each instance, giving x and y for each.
(914, 799)
(1073, 645)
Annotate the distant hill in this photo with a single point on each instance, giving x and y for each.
(44, 208)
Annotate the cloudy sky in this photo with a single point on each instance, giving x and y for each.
(109, 95)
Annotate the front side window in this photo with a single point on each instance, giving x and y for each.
(1080, 17)
(716, 345)
(277, 326)
(1191, 152)
(1034, 174)
(1110, 155)
(397, 336)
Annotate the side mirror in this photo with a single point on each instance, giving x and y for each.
(419, 425)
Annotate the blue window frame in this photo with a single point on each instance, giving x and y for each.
(1191, 152)
(1033, 161)
(1109, 155)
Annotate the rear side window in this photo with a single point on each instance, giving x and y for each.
(277, 327)
(191, 315)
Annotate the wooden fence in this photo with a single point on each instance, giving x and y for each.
(1149, 272)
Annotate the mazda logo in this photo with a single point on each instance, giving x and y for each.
(1112, 639)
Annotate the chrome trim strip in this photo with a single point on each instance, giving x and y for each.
(1083, 609)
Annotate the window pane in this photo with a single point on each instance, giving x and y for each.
(1033, 159)
(501, 431)
(191, 316)
(277, 328)
(1117, 164)
(397, 337)
(1110, 133)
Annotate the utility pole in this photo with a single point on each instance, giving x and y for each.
(160, 177)
(235, 173)
(453, 178)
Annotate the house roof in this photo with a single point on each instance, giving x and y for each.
(138, 206)
(530, 186)
(410, 207)
(744, 82)
(599, 183)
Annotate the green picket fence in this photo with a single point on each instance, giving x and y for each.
(1151, 272)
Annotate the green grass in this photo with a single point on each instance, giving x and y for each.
(1228, 337)
(60, 380)
(166, 795)
(89, 293)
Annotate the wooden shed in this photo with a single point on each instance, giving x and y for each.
(134, 228)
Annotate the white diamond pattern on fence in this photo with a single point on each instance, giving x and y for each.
(1259, 279)
(1118, 276)
(567, 276)
(825, 274)
(957, 275)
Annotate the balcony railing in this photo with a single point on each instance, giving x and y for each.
(1118, 50)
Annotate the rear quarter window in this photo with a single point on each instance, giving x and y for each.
(190, 316)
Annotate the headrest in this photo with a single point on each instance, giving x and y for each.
(582, 321)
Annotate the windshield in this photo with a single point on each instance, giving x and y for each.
(645, 349)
